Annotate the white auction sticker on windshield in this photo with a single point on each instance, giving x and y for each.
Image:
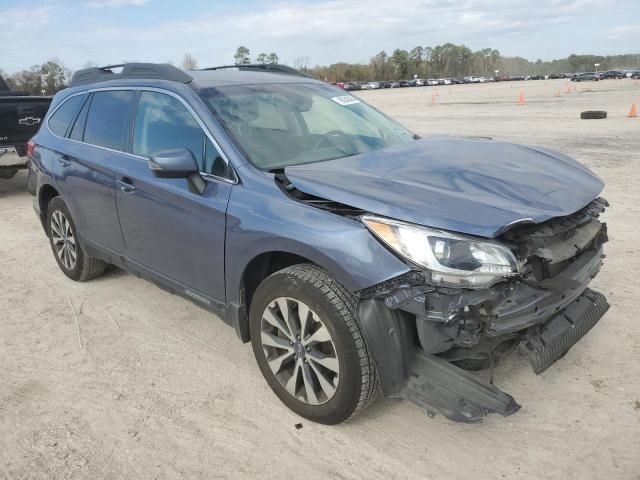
(345, 100)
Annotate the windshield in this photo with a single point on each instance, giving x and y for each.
(277, 125)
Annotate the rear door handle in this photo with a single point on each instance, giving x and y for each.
(64, 160)
(125, 185)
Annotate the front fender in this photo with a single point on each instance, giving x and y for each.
(261, 219)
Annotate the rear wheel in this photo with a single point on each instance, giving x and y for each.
(309, 347)
(68, 252)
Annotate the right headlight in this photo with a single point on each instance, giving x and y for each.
(450, 259)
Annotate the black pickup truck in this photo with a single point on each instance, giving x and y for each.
(20, 118)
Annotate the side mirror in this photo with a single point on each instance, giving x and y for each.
(176, 163)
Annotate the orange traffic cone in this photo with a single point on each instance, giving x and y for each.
(568, 88)
(521, 98)
(634, 111)
(433, 98)
(558, 93)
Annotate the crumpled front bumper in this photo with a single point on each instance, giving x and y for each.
(541, 320)
(524, 305)
(551, 340)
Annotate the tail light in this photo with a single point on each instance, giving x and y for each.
(30, 148)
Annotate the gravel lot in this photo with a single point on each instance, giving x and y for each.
(161, 389)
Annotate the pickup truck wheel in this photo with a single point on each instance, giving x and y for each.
(66, 248)
(309, 347)
(7, 174)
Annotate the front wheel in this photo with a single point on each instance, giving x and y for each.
(309, 347)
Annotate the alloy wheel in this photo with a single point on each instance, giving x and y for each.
(299, 350)
(64, 242)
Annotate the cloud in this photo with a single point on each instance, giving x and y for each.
(116, 3)
(326, 31)
(14, 19)
(624, 30)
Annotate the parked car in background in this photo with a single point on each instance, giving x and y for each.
(432, 82)
(20, 117)
(394, 84)
(406, 83)
(369, 85)
(587, 77)
(635, 74)
(352, 254)
(615, 74)
(352, 86)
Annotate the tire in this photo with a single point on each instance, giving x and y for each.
(593, 115)
(80, 268)
(7, 174)
(331, 307)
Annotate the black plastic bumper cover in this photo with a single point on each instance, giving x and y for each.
(553, 339)
(440, 387)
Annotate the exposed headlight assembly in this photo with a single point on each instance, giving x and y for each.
(451, 260)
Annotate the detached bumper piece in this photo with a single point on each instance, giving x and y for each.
(440, 387)
(553, 339)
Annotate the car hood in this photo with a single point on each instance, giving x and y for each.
(474, 186)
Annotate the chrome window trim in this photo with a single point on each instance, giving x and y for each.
(206, 176)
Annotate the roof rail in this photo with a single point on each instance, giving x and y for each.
(262, 67)
(158, 71)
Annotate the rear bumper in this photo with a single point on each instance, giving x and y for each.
(10, 158)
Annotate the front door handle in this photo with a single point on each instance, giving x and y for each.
(64, 160)
(125, 185)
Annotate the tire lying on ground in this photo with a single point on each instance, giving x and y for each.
(593, 115)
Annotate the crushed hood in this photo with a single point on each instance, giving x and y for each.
(472, 186)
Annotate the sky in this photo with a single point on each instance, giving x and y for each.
(323, 31)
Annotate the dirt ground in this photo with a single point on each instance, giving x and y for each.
(161, 389)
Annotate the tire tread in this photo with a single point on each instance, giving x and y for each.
(346, 305)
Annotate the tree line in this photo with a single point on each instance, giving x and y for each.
(456, 61)
(442, 61)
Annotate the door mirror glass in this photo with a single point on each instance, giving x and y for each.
(173, 163)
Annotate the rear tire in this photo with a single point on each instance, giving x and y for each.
(68, 252)
(349, 384)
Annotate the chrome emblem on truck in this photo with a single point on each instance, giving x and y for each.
(29, 121)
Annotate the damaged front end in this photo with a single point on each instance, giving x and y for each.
(426, 338)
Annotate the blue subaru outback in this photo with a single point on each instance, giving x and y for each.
(354, 255)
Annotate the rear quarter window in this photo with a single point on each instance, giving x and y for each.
(64, 116)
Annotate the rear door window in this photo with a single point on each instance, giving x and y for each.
(108, 118)
(63, 117)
